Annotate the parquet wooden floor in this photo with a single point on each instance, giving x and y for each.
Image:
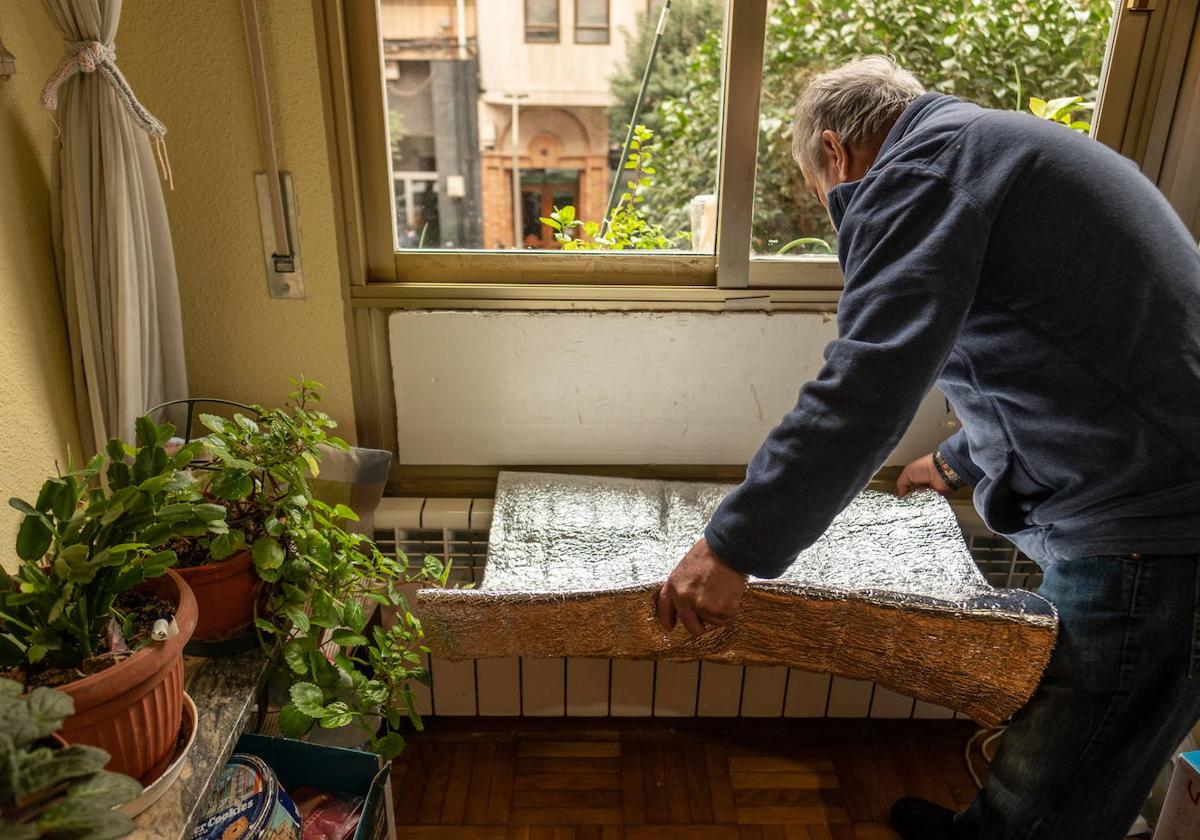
(699, 779)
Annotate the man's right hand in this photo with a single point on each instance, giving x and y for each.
(921, 473)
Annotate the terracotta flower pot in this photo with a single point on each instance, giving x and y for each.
(225, 594)
(134, 709)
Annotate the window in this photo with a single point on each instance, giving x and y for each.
(485, 178)
(541, 21)
(591, 21)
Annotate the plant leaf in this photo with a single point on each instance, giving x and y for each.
(390, 746)
(293, 723)
(295, 656)
(348, 638)
(299, 618)
(46, 769)
(336, 715)
(33, 538)
(48, 709)
(267, 553)
(308, 698)
(105, 789)
(67, 820)
(226, 545)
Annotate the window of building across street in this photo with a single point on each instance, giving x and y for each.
(541, 20)
(591, 21)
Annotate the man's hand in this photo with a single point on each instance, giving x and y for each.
(921, 473)
(702, 592)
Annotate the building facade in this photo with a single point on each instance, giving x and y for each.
(431, 74)
(532, 87)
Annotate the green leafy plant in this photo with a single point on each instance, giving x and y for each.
(320, 576)
(50, 791)
(628, 225)
(1065, 110)
(343, 672)
(258, 468)
(84, 543)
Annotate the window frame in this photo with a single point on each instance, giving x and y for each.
(540, 27)
(618, 280)
(607, 28)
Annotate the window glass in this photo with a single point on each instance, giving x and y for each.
(998, 53)
(591, 21)
(541, 20)
(462, 108)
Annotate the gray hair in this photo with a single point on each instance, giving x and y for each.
(858, 102)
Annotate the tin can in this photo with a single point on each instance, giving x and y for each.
(248, 803)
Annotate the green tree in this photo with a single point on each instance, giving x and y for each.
(689, 23)
(993, 52)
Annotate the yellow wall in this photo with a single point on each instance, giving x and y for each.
(189, 67)
(37, 409)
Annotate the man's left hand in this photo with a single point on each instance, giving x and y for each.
(702, 593)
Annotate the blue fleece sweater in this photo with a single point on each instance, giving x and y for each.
(1051, 292)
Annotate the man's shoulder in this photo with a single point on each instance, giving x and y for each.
(981, 151)
(951, 131)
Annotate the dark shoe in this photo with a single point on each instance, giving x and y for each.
(917, 819)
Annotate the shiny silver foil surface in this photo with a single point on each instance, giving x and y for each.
(889, 593)
(560, 533)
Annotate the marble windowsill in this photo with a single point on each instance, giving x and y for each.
(225, 692)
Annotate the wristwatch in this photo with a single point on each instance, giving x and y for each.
(953, 480)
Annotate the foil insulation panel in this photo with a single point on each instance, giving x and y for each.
(889, 593)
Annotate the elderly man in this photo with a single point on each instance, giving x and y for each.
(1050, 291)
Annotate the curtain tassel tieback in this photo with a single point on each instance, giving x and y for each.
(93, 56)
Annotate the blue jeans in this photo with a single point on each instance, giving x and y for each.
(1120, 693)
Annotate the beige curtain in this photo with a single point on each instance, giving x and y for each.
(116, 266)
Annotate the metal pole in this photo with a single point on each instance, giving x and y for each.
(637, 110)
(515, 140)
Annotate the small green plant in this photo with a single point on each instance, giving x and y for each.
(257, 467)
(628, 226)
(319, 575)
(342, 672)
(53, 792)
(1065, 110)
(83, 544)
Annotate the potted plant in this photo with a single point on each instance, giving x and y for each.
(342, 671)
(94, 609)
(309, 579)
(253, 466)
(49, 789)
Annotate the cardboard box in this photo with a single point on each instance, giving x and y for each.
(332, 769)
(1180, 817)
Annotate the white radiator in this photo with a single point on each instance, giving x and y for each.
(457, 529)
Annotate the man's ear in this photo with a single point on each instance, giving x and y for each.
(836, 155)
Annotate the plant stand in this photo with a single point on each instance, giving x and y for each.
(226, 693)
